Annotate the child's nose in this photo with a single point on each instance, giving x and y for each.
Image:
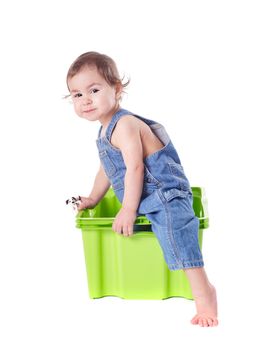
(87, 100)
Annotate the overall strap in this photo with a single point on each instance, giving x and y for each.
(118, 115)
(114, 121)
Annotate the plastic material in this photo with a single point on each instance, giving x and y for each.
(131, 267)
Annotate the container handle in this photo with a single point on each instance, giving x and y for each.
(142, 227)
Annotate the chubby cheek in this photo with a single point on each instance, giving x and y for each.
(110, 102)
(78, 110)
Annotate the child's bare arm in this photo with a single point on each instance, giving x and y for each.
(100, 188)
(130, 143)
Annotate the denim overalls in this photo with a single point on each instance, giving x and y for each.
(166, 199)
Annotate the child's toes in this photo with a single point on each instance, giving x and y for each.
(210, 322)
(204, 322)
(200, 322)
(195, 320)
(215, 322)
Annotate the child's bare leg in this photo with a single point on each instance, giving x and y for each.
(205, 297)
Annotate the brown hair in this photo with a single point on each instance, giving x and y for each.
(105, 65)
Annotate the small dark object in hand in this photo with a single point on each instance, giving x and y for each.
(75, 201)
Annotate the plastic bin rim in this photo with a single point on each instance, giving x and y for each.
(82, 222)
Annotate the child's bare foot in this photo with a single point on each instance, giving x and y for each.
(206, 309)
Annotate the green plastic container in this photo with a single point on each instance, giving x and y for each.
(131, 267)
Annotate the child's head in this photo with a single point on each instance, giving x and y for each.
(105, 65)
(94, 84)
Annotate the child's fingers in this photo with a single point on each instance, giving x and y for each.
(127, 230)
(118, 227)
(130, 230)
(81, 205)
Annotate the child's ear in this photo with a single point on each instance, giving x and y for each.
(118, 89)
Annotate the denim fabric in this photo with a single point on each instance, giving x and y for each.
(166, 198)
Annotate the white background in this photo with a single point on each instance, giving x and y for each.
(199, 67)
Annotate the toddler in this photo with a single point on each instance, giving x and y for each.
(139, 160)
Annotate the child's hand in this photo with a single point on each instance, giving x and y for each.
(84, 203)
(124, 221)
(80, 203)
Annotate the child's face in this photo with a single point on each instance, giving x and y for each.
(93, 98)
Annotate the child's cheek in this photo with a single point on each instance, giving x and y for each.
(78, 110)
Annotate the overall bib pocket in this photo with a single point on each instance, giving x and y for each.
(149, 179)
(150, 183)
(107, 163)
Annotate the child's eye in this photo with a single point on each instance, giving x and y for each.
(77, 95)
(94, 91)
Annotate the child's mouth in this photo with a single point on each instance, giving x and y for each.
(89, 110)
